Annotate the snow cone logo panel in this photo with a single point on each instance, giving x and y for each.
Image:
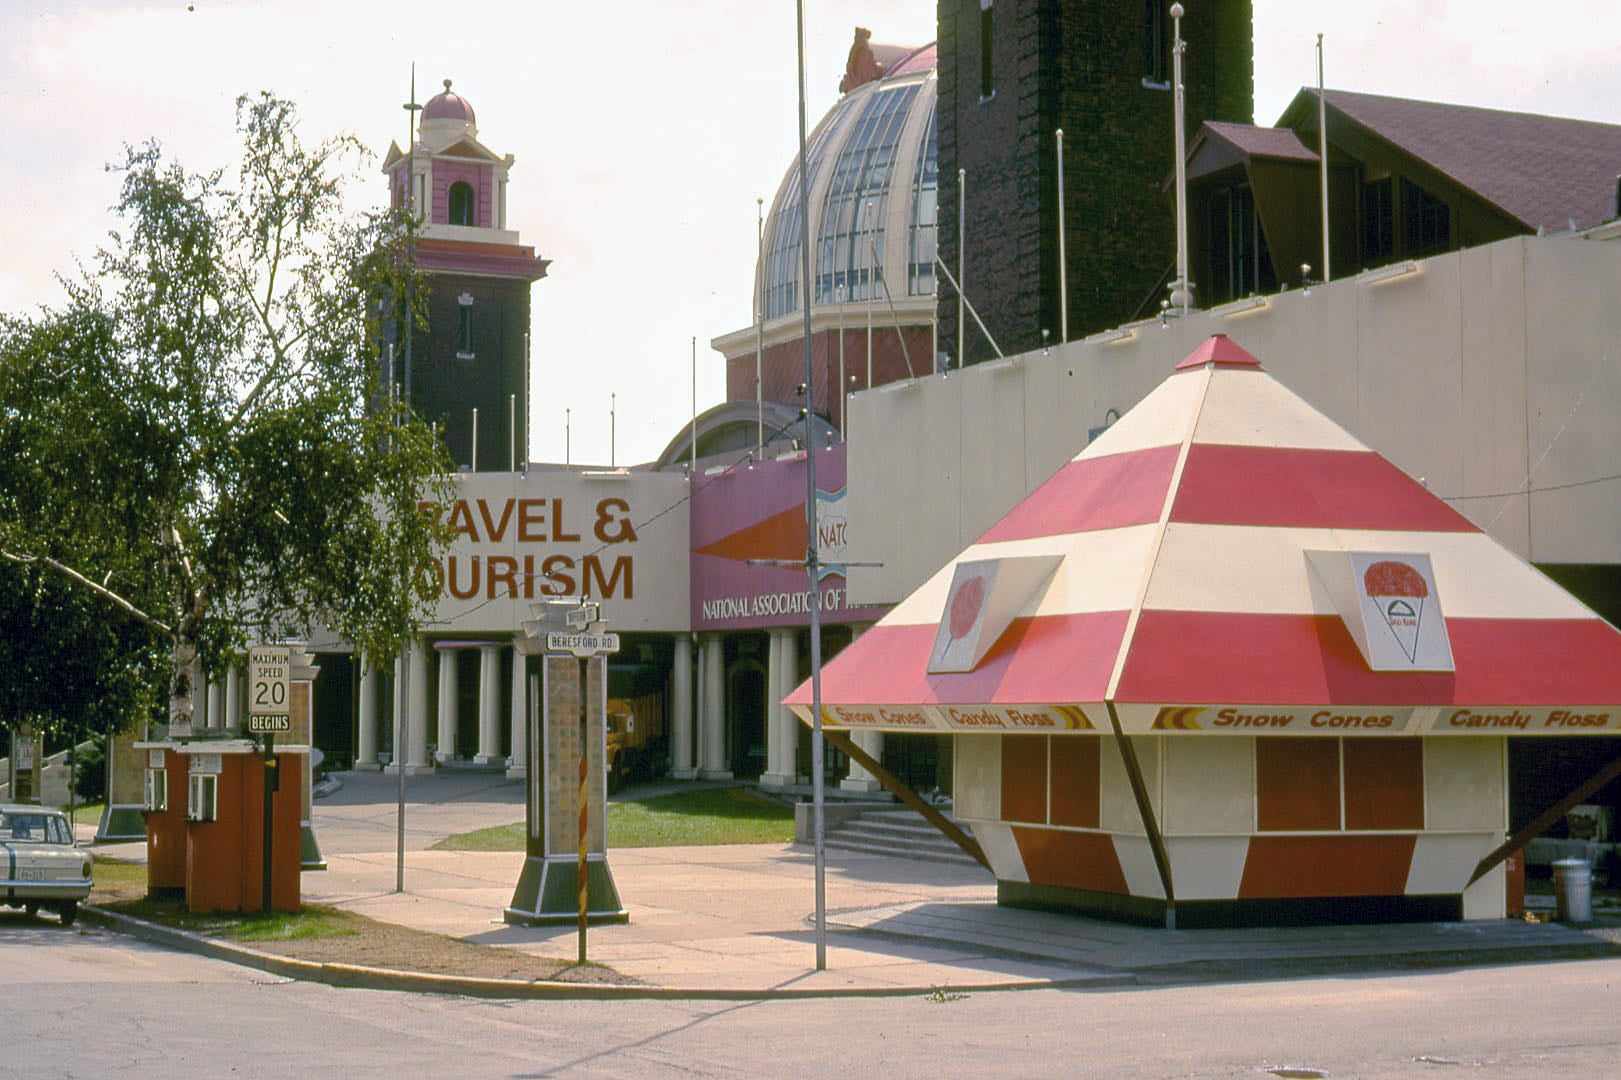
(1401, 612)
(956, 642)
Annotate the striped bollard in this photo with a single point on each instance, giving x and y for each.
(583, 877)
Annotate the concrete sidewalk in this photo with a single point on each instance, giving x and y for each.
(742, 917)
(739, 920)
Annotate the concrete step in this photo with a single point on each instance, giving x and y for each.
(894, 830)
(898, 832)
(951, 854)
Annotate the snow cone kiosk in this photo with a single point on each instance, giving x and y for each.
(1231, 666)
(218, 803)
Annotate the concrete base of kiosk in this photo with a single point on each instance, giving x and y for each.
(120, 824)
(309, 855)
(1214, 914)
(547, 893)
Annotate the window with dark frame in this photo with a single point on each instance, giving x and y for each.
(1378, 221)
(461, 203)
(1426, 220)
(1219, 279)
(464, 328)
(987, 84)
(1240, 263)
(1156, 44)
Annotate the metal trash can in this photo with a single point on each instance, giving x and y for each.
(1573, 890)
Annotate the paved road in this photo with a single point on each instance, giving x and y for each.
(81, 1003)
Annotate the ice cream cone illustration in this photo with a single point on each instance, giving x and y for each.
(1399, 591)
(963, 612)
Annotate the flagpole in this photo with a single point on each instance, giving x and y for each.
(1180, 297)
(810, 523)
(1322, 153)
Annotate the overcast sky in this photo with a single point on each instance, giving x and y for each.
(643, 130)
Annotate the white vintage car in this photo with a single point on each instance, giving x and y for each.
(39, 865)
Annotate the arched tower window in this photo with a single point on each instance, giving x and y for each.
(461, 203)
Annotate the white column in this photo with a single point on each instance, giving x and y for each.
(714, 711)
(859, 779)
(233, 696)
(706, 690)
(366, 722)
(681, 767)
(397, 706)
(445, 735)
(518, 718)
(489, 705)
(417, 741)
(201, 717)
(216, 703)
(789, 724)
(779, 758)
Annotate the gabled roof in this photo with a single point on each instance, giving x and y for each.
(1544, 171)
(1251, 141)
(465, 147)
(1219, 546)
(1218, 146)
(468, 148)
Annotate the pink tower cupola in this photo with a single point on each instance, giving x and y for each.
(472, 359)
(456, 183)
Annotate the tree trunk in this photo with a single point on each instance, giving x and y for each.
(180, 688)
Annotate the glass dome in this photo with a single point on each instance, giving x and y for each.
(872, 175)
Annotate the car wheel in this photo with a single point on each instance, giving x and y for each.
(68, 911)
(31, 910)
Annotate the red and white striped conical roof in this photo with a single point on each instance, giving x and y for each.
(1218, 560)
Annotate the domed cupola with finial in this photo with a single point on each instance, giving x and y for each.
(454, 182)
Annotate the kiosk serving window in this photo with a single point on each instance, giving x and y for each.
(157, 789)
(202, 798)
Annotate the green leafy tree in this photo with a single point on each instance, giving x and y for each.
(202, 441)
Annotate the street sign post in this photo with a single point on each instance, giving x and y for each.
(583, 643)
(566, 838)
(270, 696)
(269, 723)
(270, 684)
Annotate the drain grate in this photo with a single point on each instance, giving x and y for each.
(1293, 1073)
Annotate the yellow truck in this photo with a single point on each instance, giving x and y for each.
(638, 747)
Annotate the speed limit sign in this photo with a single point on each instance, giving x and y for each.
(269, 688)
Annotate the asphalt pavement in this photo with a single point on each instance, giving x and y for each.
(739, 920)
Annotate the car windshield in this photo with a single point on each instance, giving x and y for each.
(34, 828)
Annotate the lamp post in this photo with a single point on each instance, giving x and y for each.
(871, 248)
(844, 387)
(811, 565)
(759, 320)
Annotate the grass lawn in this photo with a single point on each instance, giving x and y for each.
(121, 886)
(706, 816)
(116, 879)
(312, 922)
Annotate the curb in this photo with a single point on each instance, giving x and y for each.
(356, 976)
